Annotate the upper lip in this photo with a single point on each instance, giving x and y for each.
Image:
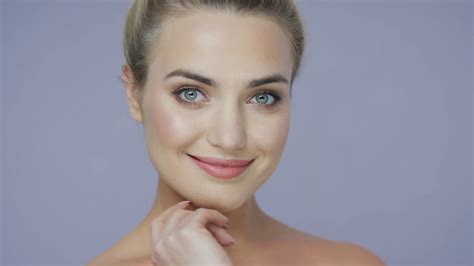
(222, 162)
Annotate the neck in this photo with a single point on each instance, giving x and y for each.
(245, 225)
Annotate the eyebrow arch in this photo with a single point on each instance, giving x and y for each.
(209, 81)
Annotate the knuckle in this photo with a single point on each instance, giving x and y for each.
(215, 212)
(157, 222)
(167, 242)
(185, 232)
(199, 214)
(201, 211)
(180, 212)
(172, 240)
(209, 212)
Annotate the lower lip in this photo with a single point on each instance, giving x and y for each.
(219, 171)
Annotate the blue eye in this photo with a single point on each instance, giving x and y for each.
(187, 95)
(264, 97)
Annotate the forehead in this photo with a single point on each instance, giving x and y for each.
(222, 45)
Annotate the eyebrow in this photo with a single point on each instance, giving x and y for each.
(209, 81)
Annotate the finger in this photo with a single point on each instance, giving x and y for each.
(221, 235)
(165, 215)
(175, 220)
(202, 216)
(190, 206)
(158, 223)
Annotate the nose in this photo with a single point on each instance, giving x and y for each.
(228, 129)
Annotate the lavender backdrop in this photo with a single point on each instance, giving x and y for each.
(379, 152)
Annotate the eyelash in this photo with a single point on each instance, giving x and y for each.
(186, 88)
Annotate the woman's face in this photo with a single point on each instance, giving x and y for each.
(222, 116)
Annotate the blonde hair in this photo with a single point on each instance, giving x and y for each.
(145, 16)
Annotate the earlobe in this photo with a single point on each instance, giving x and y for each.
(133, 103)
(132, 92)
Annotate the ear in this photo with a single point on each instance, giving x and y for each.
(132, 91)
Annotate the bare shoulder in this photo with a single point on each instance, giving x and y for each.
(119, 255)
(128, 250)
(105, 258)
(110, 259)
(305, 248)
(349, 254)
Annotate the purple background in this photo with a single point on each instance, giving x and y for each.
(379, 151)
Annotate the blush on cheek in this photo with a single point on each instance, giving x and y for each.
(273, 132)
(170, 126)
(167, 126)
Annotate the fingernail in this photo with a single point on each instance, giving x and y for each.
(231, 239)
(183, 203)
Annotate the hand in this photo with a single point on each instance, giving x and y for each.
(185, 237)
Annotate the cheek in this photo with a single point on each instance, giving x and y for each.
(167, 127)
(167, 132)
(271, 136)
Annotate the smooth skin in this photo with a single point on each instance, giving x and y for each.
(226, 121)
(185, 237)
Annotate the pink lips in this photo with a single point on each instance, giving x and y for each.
(221, 168)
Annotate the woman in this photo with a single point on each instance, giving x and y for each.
(211, 83)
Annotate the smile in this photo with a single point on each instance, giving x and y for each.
(220, 168)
